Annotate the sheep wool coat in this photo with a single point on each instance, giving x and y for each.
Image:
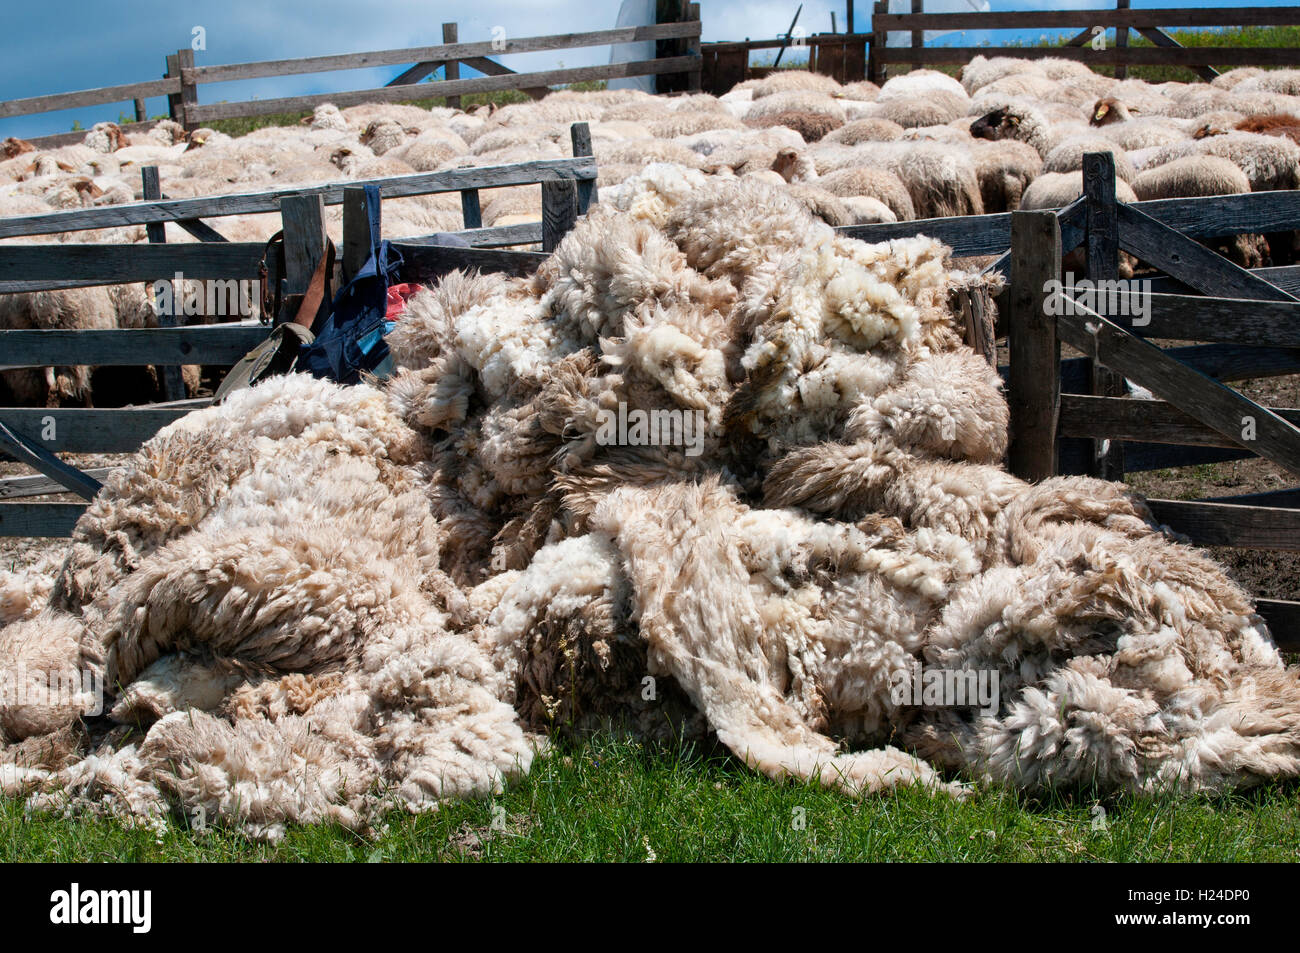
(315, 603)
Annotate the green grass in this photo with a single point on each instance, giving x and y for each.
(605, 800)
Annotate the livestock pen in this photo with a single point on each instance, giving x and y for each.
(33, 435)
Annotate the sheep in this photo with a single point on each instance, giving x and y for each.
(866, 130)
(104, 137)
(1058, 189)
(1068, 156)
(1193, 176)
(685, 123)
(862, 90)
(795, 100)
(934, 108)
(1004, 169)
(921, 83)
(811, 126)
(1017, 121)
(794, 81)
(383, 135)
(879, 184)
(12, 147)
(981, 71)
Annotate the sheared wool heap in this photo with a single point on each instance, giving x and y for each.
(315, 602)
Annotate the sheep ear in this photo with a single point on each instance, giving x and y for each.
(1101, 111)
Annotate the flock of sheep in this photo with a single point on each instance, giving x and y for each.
(1009, 134)
(317, 603)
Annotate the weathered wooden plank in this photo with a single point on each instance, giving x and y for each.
(1188, 261)
(88, 97)
(459, 87)
(1121, 40)
(198, 344)
(1133, 55)
(357, 232)
(1214, 216)
(39, 519)
(1077, 19)
(1075, 456)
(19, 487)
(559, 212)
(967, 235)
(1160, 38)
(497, 236)
(1150, 421)
(415, 73)
(119, 264)
(492, 68)
(1225, 524)
(1194, 318)
(173, 384)
(1287, 499)
(26, 449)
(89, 429)
(450, 36)
(580, 137)
(1223, 362)
(1102, 247)
(304, 242)
(425, 263)
(1286, 277)
(471, 212)
(459, 51)
(1246, 423)
(1034, 393)
(1283, 619)
(398, 186)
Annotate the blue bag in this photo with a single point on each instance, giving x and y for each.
(350, 339)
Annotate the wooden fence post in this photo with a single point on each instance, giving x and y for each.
(141, 114)
(178, 104)
(918, 36)
(1034, 394)
(357, 230)
(559, 211)
(1102, 243)
(170, 378)
(694, 77)
(876, 70)
(303, 219)
(1121, 41)
(449, 35)
(580, 133)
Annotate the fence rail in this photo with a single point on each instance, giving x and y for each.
(34, 435)
(184, 79)
(1166, 51)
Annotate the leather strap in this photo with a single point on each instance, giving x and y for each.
(315, 295)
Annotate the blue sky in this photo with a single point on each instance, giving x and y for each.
(62, 45)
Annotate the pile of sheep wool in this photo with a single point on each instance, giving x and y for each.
(315, 603)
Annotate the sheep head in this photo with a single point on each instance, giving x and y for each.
(15, 147)
(999, 124)
(1109, 110)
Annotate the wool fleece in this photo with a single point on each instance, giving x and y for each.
(317, 602)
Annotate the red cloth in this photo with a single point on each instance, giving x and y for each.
(397, 295)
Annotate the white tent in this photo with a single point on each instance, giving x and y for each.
(634, 13)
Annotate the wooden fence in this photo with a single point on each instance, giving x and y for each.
(182, 82)
(1147, 23)
(842, 56)
(33, 435)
